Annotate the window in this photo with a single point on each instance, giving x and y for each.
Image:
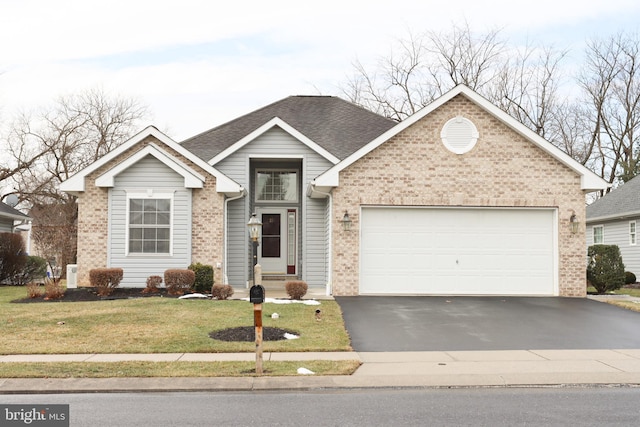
(632, 233)
(149, 226)
(276, 186)
(459, 135)
(598, 234)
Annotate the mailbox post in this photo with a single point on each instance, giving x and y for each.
(256, 293)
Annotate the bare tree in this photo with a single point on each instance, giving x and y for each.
(77, 131)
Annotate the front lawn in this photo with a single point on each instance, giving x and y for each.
(158, 325)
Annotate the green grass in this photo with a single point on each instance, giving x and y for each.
(157, 325)
(170, 369)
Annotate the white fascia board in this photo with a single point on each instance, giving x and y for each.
(589, 181)
(192, 179)
(224, 184)
(276, 121)
(618, 216)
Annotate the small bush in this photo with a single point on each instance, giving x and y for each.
(204, 277)
(53, 289)
(35, 268)
(296, 289)
(12, 257)
(605, 270)
(178, 281)
(222, 292)
(105, 280)
(629, 278)
(33, 290)
(153, 284)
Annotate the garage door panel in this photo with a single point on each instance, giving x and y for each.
(457, 251)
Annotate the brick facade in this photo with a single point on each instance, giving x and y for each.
(415, 169)
(93, 222)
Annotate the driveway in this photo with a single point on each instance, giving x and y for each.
(377, 323)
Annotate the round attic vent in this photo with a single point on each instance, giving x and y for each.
(459, 135)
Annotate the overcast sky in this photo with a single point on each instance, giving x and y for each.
(200, 63)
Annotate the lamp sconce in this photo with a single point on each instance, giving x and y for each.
(346, 221)
(574, 223)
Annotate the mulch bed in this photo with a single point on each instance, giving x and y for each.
(89, 294)
(247, 333)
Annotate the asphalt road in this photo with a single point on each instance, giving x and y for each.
(439, 407)
(377, 323)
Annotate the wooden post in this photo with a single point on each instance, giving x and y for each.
(257, 320)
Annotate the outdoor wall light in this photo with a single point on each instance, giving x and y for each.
(254, 225)
(574, 223)
(346, 221)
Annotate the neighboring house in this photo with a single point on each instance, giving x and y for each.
(10, 218)
(613, 220)
(459, 198)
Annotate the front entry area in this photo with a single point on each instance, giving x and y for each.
(277, 252)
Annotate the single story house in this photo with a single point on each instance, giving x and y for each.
(613, 220)
(458, 199)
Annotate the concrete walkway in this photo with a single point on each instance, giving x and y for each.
(378, 370)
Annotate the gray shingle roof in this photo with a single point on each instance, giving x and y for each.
(622, 201)
(338, 126)
(7, 211)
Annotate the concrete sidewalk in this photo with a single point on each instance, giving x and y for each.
(378, 370)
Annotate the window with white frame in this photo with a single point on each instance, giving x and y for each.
(276, 186)
(598, 234)
(149, 225)
(632, 233)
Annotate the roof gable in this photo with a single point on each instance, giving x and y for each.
(622, 202)
(589, 180)
(275, 122)
(76, 183)
(333, 125)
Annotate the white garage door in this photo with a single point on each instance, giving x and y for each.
(458, 251)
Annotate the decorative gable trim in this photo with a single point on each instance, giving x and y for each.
(224, 184)
(276, 121)
(589, 180)
(192, 179)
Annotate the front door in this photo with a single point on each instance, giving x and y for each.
(277, 249)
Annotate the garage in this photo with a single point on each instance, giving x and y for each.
(458, 251)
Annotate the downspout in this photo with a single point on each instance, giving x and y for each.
(243, 192)
(329, 285)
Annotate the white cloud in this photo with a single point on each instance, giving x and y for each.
(199, 63)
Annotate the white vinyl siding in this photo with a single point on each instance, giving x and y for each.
(276, 144)
(150, 178)
(6, 225)
(618, 233)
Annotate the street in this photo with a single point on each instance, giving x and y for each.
(579, 406)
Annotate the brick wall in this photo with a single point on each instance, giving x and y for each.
(93, 221)
(502, 170)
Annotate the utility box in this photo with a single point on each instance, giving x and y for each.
(72, 276)
(256, 294)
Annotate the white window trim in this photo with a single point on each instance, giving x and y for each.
(593, 234)
(633, 236)
(149, 194)
(280, 202)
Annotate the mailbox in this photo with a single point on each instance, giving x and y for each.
(256, 294)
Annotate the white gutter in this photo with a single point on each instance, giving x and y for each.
(243, 192)
(329, 285)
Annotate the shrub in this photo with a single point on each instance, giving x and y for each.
(629, 278)
(105, 280)
(53, 289)
(35, 268)
(605, 270)
(222, 292)
(33, 290)
(204, 277)
(12, 257)
(178, 281)
(296, 289)
(153, 283)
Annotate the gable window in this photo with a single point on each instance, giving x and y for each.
(276, 186)
(149, 226)
(632, 233)
(598, 234)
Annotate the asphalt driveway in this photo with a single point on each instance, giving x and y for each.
(398, 323)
